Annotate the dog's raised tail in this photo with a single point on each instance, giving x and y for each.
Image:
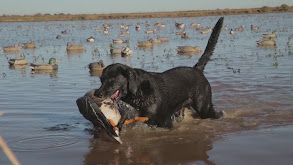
(203, 60)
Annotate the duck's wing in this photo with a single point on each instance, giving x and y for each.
(37, 64)
(19, 61)
(91, 111)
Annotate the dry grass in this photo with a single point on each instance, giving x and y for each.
(194, 13)
(8, 152)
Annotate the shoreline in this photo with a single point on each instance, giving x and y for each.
(175, 14)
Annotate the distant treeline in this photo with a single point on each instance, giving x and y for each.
(193, 13)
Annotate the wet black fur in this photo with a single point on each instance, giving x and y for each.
(159, 96)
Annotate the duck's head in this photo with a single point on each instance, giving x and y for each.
(52, 61)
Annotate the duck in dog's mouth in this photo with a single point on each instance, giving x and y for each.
(116, 95)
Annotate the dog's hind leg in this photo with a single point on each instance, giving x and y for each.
(205, 109)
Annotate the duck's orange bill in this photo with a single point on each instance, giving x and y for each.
(142, 119)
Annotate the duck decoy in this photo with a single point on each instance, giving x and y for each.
(126, 51)
(11, 48)
(272, 35)
(195, 24)
(90, 39)
(114, 50)
(120, 41)
(188, 50)
(97, 66)
(184, 35)
(254, 27)
(150, 31)
(225, 28)
(51, 65)
(74, 47)
(163, 39)
(30, 45)
(18, 61)
(179, 25)
(270, 42)
(232, 32)
(239, 28)
(148, 43)
(58, 37)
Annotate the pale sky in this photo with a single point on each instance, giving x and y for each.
(22, 7)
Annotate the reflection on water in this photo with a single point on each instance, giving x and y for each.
(253, 85)
(143, 145)
(173, 151)
(52, 73)
(75, 52)
(267, 146)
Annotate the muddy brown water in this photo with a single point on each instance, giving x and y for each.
(253, 85)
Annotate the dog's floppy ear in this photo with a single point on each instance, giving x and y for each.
(133, 80)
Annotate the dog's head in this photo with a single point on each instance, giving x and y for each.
(117, 80)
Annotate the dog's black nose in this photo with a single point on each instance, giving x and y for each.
(98, 93)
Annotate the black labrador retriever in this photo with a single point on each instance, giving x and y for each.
(159, 96)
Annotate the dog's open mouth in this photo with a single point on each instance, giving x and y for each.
(116, 95)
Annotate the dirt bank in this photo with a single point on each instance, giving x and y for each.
(193, 13)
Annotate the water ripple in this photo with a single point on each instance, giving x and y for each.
(40, 143)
